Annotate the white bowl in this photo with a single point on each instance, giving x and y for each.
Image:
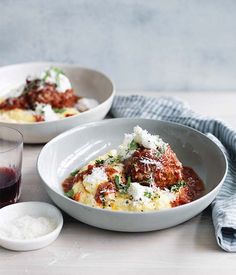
(76, 147)
(86, 83)
(34, 209)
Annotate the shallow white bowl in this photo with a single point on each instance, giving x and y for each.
(34, 209)
(86, 83)
(76, 147)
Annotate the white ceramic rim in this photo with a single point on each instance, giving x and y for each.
(91, 124)
(58, 65)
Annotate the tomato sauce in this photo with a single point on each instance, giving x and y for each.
(47, 94)
(193, 189)
(103, 190)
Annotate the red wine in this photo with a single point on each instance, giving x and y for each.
(9, 186)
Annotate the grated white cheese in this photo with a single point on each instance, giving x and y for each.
(124, 149)
(165, 197)
(141, 137)
(138, 192)
(149, 197)
(53, 77)
(47, 111)
(91, 181)
(148, 161)
(27, 227)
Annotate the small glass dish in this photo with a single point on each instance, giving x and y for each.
(12, 212)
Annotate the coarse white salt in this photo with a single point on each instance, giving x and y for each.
(27, 227)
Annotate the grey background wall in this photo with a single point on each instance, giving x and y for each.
(151, 45)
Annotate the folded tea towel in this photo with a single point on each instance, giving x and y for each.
(170, 109)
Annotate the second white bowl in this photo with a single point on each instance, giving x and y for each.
(86, 83)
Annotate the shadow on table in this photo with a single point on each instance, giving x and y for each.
(195, 234)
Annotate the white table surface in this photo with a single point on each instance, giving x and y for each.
(189, 248)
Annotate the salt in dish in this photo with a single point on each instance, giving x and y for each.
(29, 225)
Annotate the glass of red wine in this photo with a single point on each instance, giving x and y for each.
(11, 146)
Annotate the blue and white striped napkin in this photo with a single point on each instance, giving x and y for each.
(170, 109)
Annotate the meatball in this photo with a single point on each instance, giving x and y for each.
(146, 166)
(47, 95)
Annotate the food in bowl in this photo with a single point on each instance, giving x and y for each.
(48, 96)
(144, 174)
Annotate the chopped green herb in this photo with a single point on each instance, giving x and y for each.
(128, 182)
(74, 172)
(177, 186)
(123, 188)
(117, 182)
(161, 150)
(58, 70)
(47, 74)
(148, 194)
(112, 159)
(133, 145)
(70, 193)
(59, 110)
(99, 161)
(103, 199)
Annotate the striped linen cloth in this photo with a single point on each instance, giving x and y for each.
(170, 109)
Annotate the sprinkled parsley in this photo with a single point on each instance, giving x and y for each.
(161, 150)
(59, 110)
(177, 186)
(99, 161)
(70, 193)
(47, 74)
(57, 70)
(148, 194)
(133, 145)
(111, 159)
(149, 180)
(123, 188)
(74, 173)
(128, 182)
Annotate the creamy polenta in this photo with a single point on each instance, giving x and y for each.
(144, 174)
